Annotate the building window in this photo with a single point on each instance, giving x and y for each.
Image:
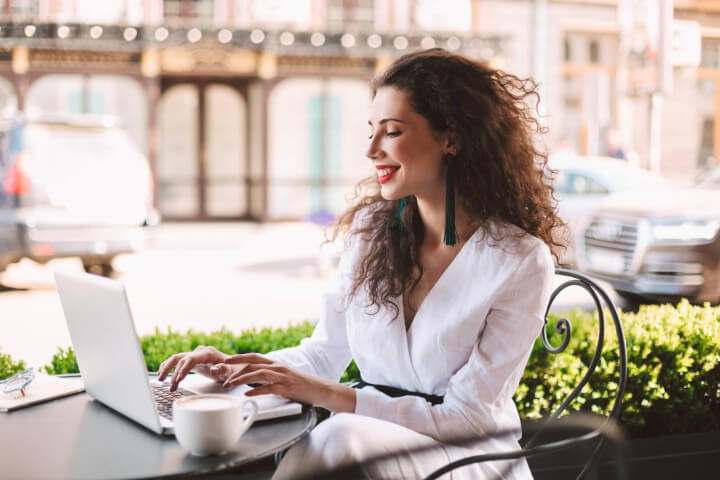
(450, 15)
(344, 15)
(287, 13)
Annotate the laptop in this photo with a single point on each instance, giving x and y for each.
(111, 361)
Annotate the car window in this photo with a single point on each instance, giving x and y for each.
(591, 186)
(561, 182)
(580, 184)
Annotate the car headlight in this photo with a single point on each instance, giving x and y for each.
(686, 231)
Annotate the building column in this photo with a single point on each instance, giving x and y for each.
(20, 66)
(152, 91)
(150, 71)
(267, 87)
(259, 96)
(258, 183)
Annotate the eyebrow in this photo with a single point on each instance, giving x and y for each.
(385, 120)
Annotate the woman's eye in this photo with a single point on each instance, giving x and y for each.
(389, 134)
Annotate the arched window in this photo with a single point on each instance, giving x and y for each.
(201, 166)
(113, 95)
(225, 142)
(177, 165)
(317, 137)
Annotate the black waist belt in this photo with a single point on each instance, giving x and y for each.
(399, 392)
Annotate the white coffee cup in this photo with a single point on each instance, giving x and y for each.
(212, 424)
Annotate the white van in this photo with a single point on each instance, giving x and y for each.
(72, 186)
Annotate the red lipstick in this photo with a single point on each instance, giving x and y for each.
(387, 177)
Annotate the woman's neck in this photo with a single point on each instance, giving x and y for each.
(432, 214)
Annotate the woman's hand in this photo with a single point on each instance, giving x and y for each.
(207, 361)
(282, 380)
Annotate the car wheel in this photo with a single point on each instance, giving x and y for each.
(103, 269)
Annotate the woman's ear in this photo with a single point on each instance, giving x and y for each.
(452, 144)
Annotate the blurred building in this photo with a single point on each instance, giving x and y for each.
(258, 108)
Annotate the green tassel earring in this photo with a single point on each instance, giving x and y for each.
(403, 201)
(451, 236)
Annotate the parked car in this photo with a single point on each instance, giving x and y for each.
(582, 183)
(657, 245)
(73, 186)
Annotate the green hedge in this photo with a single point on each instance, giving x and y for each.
(160, 345)
(673, 370)
(673, 365)
(9, 367)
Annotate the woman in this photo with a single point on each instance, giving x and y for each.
(442, 287)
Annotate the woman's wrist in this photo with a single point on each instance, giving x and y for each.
(337, 398)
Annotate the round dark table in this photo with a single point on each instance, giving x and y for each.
(78, 437)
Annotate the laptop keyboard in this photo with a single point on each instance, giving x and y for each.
(164, 398)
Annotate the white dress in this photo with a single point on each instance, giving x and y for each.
(469, 342)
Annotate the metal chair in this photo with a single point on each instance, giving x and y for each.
(583, 427)
(578, 429)
(533, 446)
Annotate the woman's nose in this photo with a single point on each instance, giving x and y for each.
(372, 150)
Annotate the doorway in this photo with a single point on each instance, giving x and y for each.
(202, 159)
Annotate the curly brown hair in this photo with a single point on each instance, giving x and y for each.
(501, 169)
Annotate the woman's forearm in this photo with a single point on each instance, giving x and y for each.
(337, 398)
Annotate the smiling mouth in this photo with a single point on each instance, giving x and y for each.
(386, 173)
